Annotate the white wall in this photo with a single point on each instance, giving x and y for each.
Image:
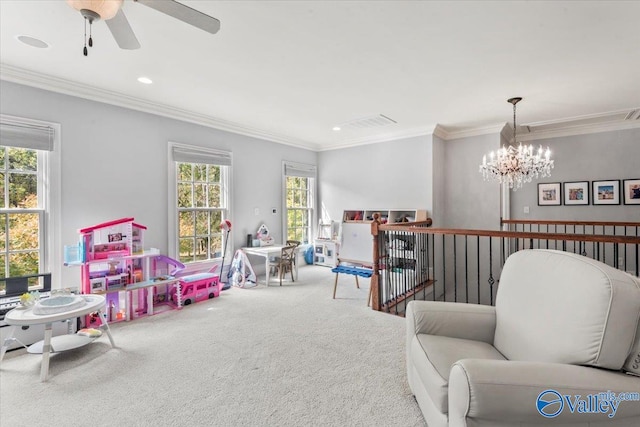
(438, 180)
(389, 175)
(115, 165)
(421, 172)
(470, 202)
(598, 156)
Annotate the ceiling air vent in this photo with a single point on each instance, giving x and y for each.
(369, 122)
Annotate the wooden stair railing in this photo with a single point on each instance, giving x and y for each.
(464, 265)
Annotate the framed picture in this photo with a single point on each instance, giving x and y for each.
(631, 189)
(606, 192)
(98, 284)
(549, 194)
(576, 193)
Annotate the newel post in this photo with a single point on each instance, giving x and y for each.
(375, 279)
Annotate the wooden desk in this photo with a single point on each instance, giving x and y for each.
(268, 252)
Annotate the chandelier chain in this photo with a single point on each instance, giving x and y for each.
(514, 122)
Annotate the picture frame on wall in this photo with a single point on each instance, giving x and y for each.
(606, 192)
(576, 193)
(631, 189)
(549, 194)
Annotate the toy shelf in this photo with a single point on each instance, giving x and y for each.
(386, 215)
(325, 253)
(356, 243)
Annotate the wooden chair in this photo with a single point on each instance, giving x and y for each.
(295, 243)
(273, 262)
(285, 262)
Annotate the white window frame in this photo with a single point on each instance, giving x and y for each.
(49, 194)
(194, 153)
(306, 171)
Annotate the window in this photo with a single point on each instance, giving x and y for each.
(299, 193)
(201, 203)
(25, 197)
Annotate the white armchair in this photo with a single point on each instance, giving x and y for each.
(560, 340)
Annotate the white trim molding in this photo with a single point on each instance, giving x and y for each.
(594, 123)
(67, 87)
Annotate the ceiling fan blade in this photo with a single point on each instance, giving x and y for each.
(122, 32)
(185, 14)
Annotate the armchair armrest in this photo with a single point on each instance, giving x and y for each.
(506, 393)
(450, 319)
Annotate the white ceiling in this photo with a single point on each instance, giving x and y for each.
(289, 71)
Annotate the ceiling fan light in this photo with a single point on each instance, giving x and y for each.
(107, 9)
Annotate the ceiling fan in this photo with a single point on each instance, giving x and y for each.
(111, 12)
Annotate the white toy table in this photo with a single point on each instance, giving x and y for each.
(267, 252)
(26, 317)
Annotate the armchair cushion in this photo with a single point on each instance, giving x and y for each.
(632, 364)
(433, 357)
(560, 307)
(451, 319)
(505, 393)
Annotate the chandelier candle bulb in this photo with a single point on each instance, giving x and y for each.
(516, 166)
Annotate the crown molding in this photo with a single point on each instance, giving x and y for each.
(567, 127)
(55, 84)
(578, 130)
(441, 132)
(376, 139)
(466, 133)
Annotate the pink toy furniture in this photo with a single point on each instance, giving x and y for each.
(195, 287)
(113, 263)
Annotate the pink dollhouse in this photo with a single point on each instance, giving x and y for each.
(113, 262)
(135, 282)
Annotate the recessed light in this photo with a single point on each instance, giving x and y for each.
(145, 80)
(32, 41)
(336, 128)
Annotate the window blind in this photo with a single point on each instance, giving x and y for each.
(186, 154)
(26, 135)
(299, 169)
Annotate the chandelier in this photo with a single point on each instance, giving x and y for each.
(516, 166)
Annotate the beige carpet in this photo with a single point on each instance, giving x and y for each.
(277, 356)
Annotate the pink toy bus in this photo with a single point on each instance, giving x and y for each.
(195, 288)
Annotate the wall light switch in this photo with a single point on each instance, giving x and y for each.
(256, 211)
(526, 209)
